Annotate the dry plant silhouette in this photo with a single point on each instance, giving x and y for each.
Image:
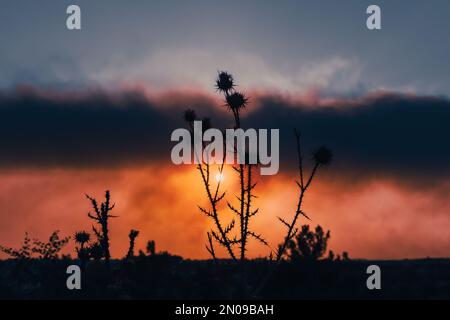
(309, 245)
(222, 234)
(132, 235)
(101, 215)
(95, 251)
(322, 157)
(151, 248)
(37, 248)
(50, 249)
(24, 252)
(231, 276)
(82, 238)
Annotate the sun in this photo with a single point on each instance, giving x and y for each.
(219, 177)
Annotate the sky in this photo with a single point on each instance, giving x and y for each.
(90, 110)
(290, 46)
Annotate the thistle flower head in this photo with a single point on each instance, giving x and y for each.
(190, 116)
(82, 237)
(236, 101)
(323, 156)
(224, 82)
(133, 234)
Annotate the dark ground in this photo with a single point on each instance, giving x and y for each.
(169, 277)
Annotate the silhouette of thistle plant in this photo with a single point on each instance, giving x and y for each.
(214, 197)
(225, 82)
(235, 102)
(100, 216)
(82, 238)
(132, 235)
(322, 157)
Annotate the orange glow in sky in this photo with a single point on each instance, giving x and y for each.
(376, 220)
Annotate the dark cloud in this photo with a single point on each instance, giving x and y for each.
(385, 134)
(90, 129)
(389, 134)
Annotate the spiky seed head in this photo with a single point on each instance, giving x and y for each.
(236, 101)
(224, 82)
(190, 116)
(82, 237)
(323, 156)
(133, 234)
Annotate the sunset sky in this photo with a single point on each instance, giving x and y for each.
(90, 110)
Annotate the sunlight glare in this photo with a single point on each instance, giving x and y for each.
(219, 177)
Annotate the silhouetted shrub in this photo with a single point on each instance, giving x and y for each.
(43, 250)
(330, 255)
(309, 245)
(25, 252)
(95, 251)
(50, 249)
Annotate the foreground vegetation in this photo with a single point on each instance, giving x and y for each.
(162, 276)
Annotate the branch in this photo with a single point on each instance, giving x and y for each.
(299, 154)
(211, 247)
(233, 209)
(229, 227)
(258, 237)
(208, 213)
(284, 222)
